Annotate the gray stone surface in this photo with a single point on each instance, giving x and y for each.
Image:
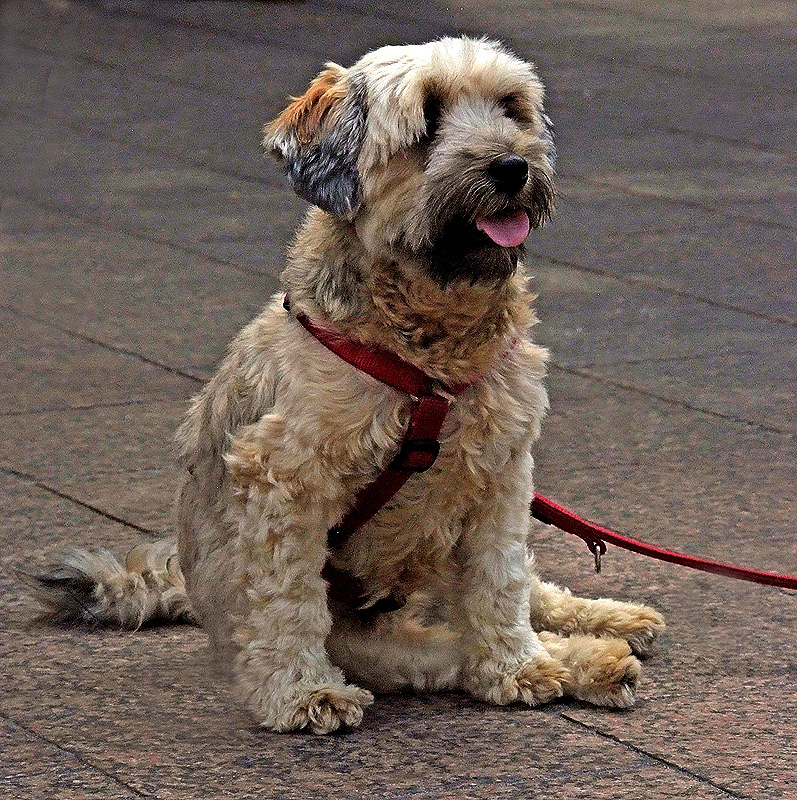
(45, 369)
(659, 242)
(140, 228)
(34, 769)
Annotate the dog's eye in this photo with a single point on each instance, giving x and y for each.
(514, 106)
(432, 109)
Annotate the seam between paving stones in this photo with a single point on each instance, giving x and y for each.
(614, 59)
(31, 111)
(122, 70)
(24, 42)
(652, 283)
(700, 77)
(611, 10)
(718, 27)
(563, 715)
(151, 401)
(74, 754)
(630, 362)
(106, 345)
(135, 233)
(663, 230)
(659, 759)
(89, 220)
(32, 480)
(211, 166)
(581, 372)
(653, 194)
(764, 148)
(630, 387)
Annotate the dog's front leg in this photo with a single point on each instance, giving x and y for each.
(282, 619)
(505, 661)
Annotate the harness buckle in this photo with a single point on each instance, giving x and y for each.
(416, 455)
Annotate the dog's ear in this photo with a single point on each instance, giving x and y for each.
(318, 139)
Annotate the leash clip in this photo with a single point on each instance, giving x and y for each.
(598, 548)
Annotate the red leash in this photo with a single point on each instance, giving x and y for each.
(596, 537)
(418, 451)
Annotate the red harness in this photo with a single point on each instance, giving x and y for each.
(417, 452)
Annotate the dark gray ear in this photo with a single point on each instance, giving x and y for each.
(318, 139)
(547, 136)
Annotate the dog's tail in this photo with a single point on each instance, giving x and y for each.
(87, 588)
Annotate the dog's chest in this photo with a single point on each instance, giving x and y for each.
(408, 544)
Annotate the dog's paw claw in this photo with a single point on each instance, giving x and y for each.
(324, 709)
(643, 628)
(541, 680)
(611, 679)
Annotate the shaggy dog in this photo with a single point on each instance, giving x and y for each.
(426, 166)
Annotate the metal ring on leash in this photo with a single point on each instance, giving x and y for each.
(597, 548)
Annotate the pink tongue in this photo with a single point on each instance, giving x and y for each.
(506, 230)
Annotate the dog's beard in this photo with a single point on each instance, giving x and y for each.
(483, 241)
(462, 252)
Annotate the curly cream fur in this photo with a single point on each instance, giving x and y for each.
(281, 439)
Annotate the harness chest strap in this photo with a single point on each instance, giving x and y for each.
(417, 451)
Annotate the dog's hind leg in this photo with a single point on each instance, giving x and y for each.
(394, 652)
(93, 588)
(556, 609)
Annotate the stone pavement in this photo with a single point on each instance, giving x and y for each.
(140, 228)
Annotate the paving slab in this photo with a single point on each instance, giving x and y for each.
(772, 16)
(732, 725)
(152, 316)
(173, 725)
(34, 769)
(649, 239)
(137, 295)
(68, 443)
(147, 192)
(40, 522)
(217, 57)
(629, 451)
(688, 351)
(739, 180)
(44, 369)
(676, 476)
(202, 57)
(581, 93)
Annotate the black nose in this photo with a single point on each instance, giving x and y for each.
(509, 173)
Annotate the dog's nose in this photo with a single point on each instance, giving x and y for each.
(509, 173)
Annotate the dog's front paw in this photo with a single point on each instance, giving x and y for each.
(602, 671)
(536, 681)
(318, 708)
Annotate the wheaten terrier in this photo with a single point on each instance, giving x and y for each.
(426, 166)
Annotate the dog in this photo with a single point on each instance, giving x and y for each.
(426, 167)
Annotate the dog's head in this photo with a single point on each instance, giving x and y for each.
(441, 151)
